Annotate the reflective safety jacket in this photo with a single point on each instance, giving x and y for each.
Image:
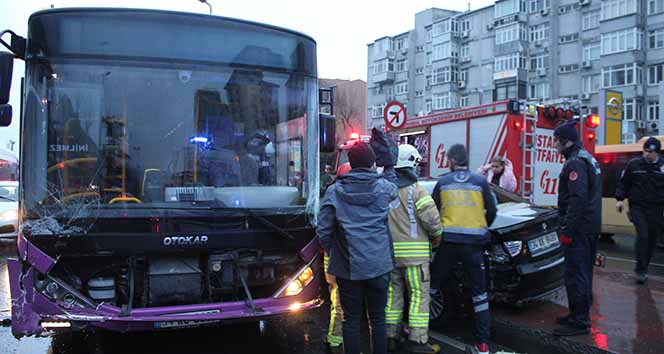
(412, 224)
(467, 207)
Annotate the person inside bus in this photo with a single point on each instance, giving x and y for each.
(499, 172)
(642, 182)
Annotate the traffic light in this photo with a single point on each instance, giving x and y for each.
(592, 121)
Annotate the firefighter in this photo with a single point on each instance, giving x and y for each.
(334, 334)
(580, 210)
(642, 182)
(412, 225)
(467, 207)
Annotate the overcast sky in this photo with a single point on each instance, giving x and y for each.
(341, 28)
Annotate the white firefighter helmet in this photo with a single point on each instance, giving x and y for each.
(408, 156)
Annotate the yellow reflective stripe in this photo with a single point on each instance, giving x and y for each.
(419, 291)
(326, 262)
(424, 200)
(334, 295)
(410, 244)
(437, 233)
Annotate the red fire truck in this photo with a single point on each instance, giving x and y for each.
(525, 137)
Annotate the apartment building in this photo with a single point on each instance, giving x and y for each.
(542, 51)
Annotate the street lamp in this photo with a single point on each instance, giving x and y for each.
(208, 4)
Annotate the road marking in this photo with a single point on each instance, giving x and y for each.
(447, 340)
(632, 261)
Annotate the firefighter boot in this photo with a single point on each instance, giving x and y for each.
(423, 348)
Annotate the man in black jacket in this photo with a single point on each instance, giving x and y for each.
(642, 182)
(580, 209)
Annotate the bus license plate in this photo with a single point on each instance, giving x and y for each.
(543, 242)
(183, 323)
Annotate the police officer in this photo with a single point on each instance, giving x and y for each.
(580, 210)
(467, 207)
(642, 182)
(413, 224)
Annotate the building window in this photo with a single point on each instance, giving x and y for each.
(617, 8)
(655, 6)
(539, 62)
(445, 74)
(401, 43)
(419, 93)
(419, 71)
(621, 75)
(539, 91)
(591, 51)
(401, 88)
(419, 49)
(539, 32)
(591, 83)
(444, 50)
(384, 65)
(538, 5)
(428, 58)
(511, 90)
(568, 68)
(446, 26)
(464, 101)
(428, 105)
(428, 82)
(402, 65)
(505, 8)
(510, 62)
(656, 39)
(465, 25)
(655, 74)
(513, 32)
(590, 20)
(620, 41)
(377, 111)
(653, 110)
(568, 38)
(463, 75)
(632, 109)
(445, 100)
(464, 51)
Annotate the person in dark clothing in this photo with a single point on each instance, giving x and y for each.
(467, 208)
(352, 229)
(642, 182)
(580, 211)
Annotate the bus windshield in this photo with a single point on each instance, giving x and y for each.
(118, 126)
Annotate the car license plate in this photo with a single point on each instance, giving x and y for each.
(543, 243)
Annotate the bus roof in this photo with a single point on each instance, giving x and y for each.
(636, 147)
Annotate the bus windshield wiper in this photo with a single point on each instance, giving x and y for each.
(7, 198)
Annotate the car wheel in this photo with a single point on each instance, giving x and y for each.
(441, 307)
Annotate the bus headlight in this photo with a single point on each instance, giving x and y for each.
(297, 284)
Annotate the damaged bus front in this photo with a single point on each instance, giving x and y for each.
(170, 171)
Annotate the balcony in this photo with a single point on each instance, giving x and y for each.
(384, 77)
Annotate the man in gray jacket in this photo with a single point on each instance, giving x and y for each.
(352, 228)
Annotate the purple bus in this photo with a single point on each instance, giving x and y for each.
(170, 171)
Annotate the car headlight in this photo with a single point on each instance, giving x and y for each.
(298, 283)
(513, 247)
(9, 215)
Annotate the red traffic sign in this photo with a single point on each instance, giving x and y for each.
(395, 115)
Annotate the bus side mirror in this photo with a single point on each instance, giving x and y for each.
(328, 130)
(5, 115)
(6, 69)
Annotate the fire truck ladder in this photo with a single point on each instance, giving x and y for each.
(529, 143)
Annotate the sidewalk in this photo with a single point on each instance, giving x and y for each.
(626, 317)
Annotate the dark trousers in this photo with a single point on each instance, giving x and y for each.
(648, 224)
(579, 263)
(472, 258)
(353, 294)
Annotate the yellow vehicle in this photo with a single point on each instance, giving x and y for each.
(613, 159)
